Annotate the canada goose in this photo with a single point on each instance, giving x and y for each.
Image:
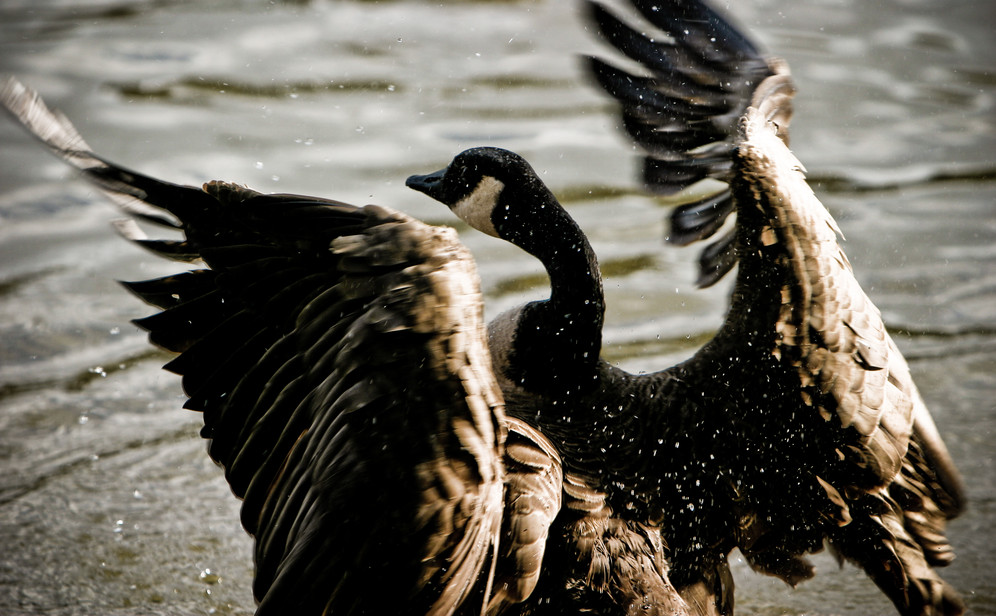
(339, 358)
(569, 386)
(798, 423)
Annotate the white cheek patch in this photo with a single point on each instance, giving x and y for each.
(475, 209)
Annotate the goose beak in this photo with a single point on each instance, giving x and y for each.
(430, 184)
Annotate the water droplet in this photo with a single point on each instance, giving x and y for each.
(209, 577)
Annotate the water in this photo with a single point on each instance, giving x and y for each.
(108, 503)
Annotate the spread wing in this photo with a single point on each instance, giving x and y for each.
(336, 357)
(339, 358)
(899, 482)
(707, 105)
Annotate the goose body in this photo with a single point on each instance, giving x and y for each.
(799, 423)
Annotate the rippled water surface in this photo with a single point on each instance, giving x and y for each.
(108, 502)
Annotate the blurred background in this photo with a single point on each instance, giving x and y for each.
(108, 502)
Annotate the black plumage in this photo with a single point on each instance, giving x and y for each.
(798, 423)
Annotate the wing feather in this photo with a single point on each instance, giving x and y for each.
(339, 357)
(616, 564)
(697, 76)
(533, 497)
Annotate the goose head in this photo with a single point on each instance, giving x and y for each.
(494, 191)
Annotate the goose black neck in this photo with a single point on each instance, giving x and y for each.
(558, 340)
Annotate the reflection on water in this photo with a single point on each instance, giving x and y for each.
(108, 503)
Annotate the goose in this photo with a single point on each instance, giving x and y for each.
(675, 456)
(340, 361)
(798, 424)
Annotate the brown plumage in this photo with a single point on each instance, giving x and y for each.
(339, 357)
